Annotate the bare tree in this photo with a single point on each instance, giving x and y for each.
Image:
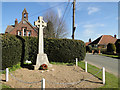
(55, 27)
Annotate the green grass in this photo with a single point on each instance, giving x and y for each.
(13, 68)
(111, 80)
(5, 86)
(112, 56)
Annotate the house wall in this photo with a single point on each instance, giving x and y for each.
(20, 27)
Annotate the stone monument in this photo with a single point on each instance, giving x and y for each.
(41, 56)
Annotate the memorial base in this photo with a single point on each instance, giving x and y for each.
(41, 59)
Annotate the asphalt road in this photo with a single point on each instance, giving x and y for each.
(110, 64)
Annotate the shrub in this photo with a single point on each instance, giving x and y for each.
(11, 51)
(89, 49)
(118, 46)
(18, 49)
(31, 49)
(103, 50)
(111, 48)
(64, 50)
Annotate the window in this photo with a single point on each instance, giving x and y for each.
(19, 33)
(29, 33)
(24, 32)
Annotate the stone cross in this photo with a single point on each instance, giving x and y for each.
(41, 56)
(40, 24)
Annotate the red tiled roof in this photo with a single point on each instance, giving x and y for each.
(9, 28)
(104, 40)
(87, 43)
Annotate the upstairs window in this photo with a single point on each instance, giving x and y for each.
(19, 33)
(29, 33)
(24, 32)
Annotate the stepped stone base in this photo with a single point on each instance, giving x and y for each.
(41, 59)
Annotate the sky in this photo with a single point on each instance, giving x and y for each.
(92, 19)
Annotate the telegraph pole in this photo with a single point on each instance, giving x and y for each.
(73, 19)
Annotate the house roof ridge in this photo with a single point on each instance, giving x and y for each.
(101, 39)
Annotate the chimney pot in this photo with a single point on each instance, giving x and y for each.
(115, 36)
(16, 22)
(90, 40)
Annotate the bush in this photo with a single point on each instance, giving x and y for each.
(64, 50)
(31, 49)
(117, 44)
(18, 49)
(111, 48)
(103, 50)
(89, 49)
(11, 51)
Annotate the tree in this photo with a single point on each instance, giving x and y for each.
(111, 48)
(56, 27)
(49, 30)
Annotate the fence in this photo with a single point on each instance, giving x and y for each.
(43, 80)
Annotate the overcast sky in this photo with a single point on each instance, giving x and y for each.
(92, 19)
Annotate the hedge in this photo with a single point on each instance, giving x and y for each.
(18, 49)
(64, 50)
(11, 51)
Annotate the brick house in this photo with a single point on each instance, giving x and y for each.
(23, 28)
(102, 41)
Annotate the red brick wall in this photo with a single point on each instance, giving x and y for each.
(24, 25)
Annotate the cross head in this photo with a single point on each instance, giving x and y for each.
(40, 23)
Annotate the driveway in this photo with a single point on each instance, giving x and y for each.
(110, 64)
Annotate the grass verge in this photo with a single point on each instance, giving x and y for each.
(13, 68)
(112, 56)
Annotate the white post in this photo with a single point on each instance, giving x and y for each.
(76, 61)
(85, 66)
(103, 75)
(7, 71)
(43, 84)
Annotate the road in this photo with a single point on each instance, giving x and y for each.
(110, 64)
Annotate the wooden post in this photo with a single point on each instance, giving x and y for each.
(43, 84)
(73, 19)
(85, 66)
(7, 71)
(103, 75)
(76, 61)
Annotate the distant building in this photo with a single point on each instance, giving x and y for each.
(86, 44)
(103, 41)
(23, 28)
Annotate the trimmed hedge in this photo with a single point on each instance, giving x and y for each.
(64, 50)
(11, 51)
(18, 49)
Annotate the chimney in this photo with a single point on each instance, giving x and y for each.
(115, 36)
(90, 40)
(16, 22)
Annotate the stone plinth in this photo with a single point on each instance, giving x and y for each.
(41, 59)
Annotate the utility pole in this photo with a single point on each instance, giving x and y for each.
(73, 19)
